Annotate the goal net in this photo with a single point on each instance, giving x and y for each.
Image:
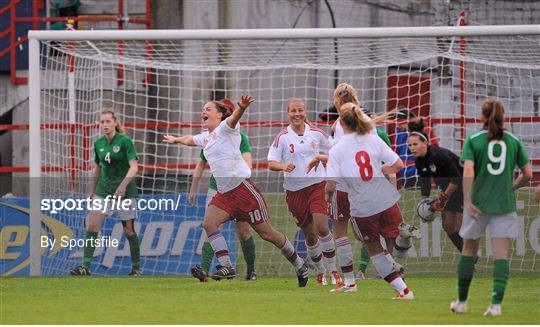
(158, 81)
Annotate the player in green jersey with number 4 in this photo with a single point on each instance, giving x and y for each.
(490, 157)
(116, 165)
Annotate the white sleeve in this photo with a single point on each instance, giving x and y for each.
(333, 167)
(199, 138)
(224, 128)
(326, 143)
(388, 156)
(275, 151)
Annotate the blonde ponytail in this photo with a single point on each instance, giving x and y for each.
(355, 119)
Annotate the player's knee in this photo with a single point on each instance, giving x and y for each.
(92, 227)
(243, 234)
(267, 236)
(312, 239)
(209, 227)
(128, 227)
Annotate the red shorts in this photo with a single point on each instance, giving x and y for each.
(305, 202)
(340, 207)
(243, 203)
(385, 224)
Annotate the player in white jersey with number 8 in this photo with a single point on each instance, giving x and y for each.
(357, 161)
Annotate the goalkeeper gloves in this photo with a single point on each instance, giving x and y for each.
(440, 203)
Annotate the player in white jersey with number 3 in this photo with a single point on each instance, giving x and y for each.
(237, 196)
(291, 152)
(357, 161)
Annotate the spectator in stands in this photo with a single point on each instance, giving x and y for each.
(63, 8)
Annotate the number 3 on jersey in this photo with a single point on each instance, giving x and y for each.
(364, 165)
(108, 158)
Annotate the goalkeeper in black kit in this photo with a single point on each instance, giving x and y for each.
(446, 169)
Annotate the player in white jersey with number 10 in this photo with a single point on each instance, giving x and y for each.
(357, 161)
(291, 152)
(237, 196)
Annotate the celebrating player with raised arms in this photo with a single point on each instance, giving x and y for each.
(116, 166)
(446, 169)
(292, 150)
(357, 161)
(490, 157)
(238, 196)
(242, 228)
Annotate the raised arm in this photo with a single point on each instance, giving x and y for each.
(185, 140)
(245, 101)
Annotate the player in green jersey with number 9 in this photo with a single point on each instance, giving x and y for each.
(490, 157)
(116, 166)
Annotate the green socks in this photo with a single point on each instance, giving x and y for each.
(364, 259)
(501, 270)
(89, 250)
(248, 248)
(135, 251)
(207, 256)
(465, 272)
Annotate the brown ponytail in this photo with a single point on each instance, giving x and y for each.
(416, 127)
(119, 128)
(224, 106)
(493, 113)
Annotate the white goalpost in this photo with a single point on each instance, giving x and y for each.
(158, 81)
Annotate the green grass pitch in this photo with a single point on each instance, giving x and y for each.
(174, 300)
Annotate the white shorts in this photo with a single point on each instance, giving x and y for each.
(123, 215)
(209, 196)
(500, 226)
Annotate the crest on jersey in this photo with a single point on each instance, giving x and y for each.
(433, 168)
(116, 148)
(314, 145)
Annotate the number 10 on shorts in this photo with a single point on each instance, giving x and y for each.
(255, 216)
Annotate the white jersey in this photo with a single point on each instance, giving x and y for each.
(222, 151)
(289, 147)
(338, 134)
(356, 160)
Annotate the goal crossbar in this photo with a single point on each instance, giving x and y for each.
(288, 33)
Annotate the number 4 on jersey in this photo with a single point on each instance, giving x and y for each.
(108, 157)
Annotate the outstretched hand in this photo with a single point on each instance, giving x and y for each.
(169, 139)
(245, 101)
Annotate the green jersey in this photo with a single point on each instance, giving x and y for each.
(382, 134)
(494, 163)
(113, 159)
(244, 148)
